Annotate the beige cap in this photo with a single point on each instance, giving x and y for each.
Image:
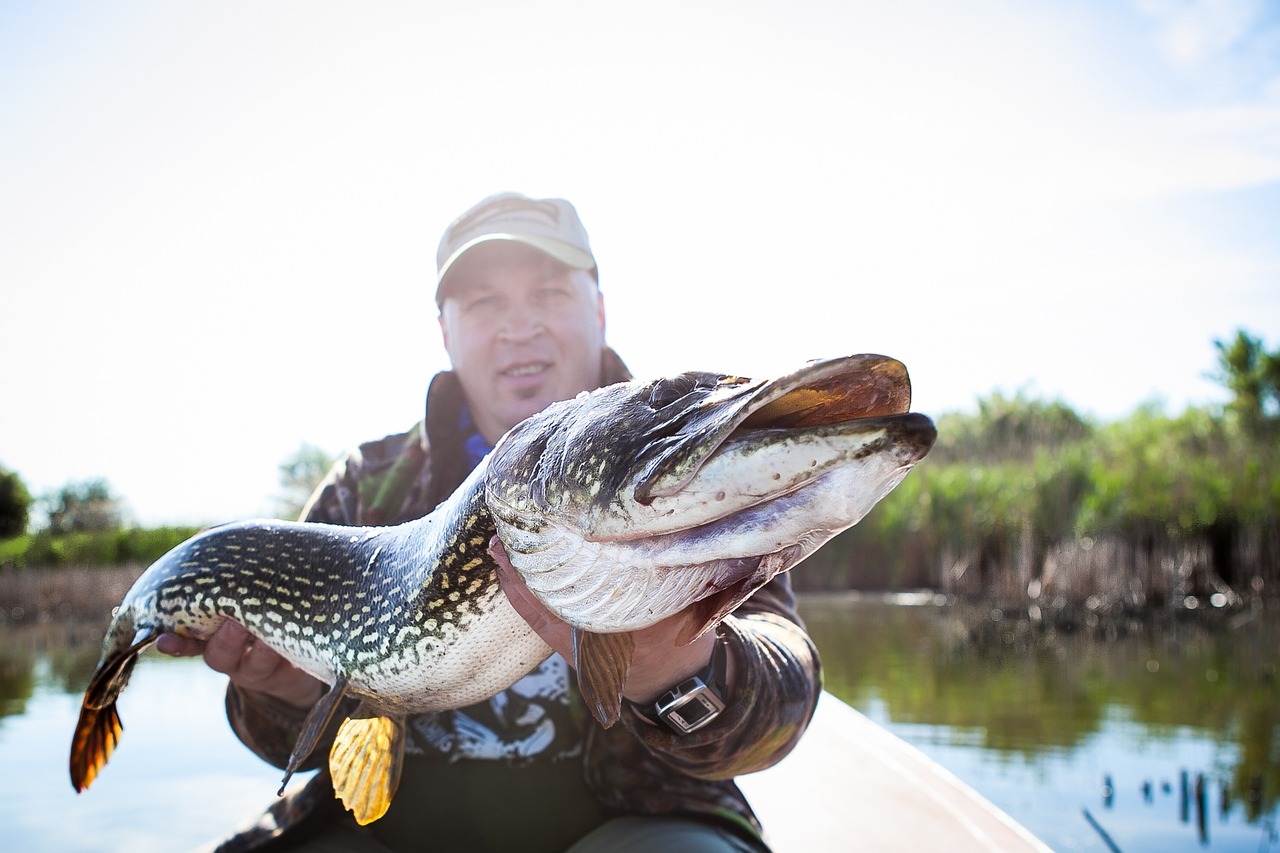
(548, 224)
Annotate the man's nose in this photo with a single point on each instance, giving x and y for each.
(521, 322)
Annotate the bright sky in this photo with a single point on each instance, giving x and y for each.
(218, 221)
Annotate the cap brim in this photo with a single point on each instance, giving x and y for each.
(564, 253)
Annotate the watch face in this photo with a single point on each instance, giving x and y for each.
(692, 714)
(690, 706)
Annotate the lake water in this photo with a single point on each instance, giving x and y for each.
(1037, 721)
(1106, 719)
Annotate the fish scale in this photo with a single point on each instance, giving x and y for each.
(618, 508)
(370, 606)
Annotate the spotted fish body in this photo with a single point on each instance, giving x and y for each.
(357, 602)
(618, 508)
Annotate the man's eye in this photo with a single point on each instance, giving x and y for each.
(483, 303)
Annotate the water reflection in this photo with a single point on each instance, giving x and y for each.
(1158, 735)
(1008, 698)
(179, 779)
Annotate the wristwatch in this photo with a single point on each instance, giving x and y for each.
(694, 702)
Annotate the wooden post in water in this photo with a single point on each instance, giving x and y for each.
(1202, 823)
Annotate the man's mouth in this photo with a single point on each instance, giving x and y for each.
(532, 368)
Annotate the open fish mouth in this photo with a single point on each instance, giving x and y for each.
(730, 482)
(821, 393)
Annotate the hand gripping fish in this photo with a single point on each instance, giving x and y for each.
(619, 508)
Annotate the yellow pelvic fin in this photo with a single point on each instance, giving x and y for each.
(602, 662)
(365, 764)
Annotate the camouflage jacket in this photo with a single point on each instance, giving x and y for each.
(633, 768)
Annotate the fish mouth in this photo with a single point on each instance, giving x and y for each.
(823, 393)
(859, 399)
(698, 488)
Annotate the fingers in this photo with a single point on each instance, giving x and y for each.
(222, 650)
(179, 647)
(226, 650)
(248, 662)
(659, 661)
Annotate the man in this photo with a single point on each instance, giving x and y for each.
(523, 323)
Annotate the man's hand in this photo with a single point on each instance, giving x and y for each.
(658, 664)
(249, 663)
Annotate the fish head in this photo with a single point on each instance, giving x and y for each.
(633, 502)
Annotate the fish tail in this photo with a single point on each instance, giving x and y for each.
(98, 729)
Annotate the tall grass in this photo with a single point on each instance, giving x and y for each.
(1027, 502)
(133, 545)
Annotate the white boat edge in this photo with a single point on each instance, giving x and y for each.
(851, 784)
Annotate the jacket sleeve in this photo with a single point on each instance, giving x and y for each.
(776, 686)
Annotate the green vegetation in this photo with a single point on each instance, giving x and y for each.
(87, 527)
(299, 475)
(121, 546)
(15, 504)
(1026, 500)
(85, 506)
(1023, 500)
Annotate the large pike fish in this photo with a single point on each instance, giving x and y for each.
(619, 508)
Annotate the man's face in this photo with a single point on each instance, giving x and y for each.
(522, 331)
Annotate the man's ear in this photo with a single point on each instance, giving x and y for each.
(444, 330)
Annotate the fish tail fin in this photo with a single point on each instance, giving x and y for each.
(602, 662)
(97, 733)
(365, 763)
(98, 729)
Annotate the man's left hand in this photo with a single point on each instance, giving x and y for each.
(658, 663)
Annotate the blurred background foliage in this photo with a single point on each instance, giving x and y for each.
(1023, 500)
(1026, 500)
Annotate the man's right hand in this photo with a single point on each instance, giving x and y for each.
(249, 663)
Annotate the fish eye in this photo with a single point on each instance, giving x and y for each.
(667, 391)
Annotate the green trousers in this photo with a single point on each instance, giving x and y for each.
(620, 835)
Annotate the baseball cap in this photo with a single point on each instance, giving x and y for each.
(550, 225)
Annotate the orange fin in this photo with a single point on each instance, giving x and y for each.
(312, 727)
(98, 729)
(602, 662)
(365, 764)
(97, 733)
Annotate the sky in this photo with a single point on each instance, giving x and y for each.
(218, 221)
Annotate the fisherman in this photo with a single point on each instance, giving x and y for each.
(523, 323)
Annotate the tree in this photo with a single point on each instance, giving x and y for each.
(299, 476)
(15, 505)
(1252, 375)
(84, 506)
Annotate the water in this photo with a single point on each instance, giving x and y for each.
(179, 778)
(1036, 721)
(1103, 719)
